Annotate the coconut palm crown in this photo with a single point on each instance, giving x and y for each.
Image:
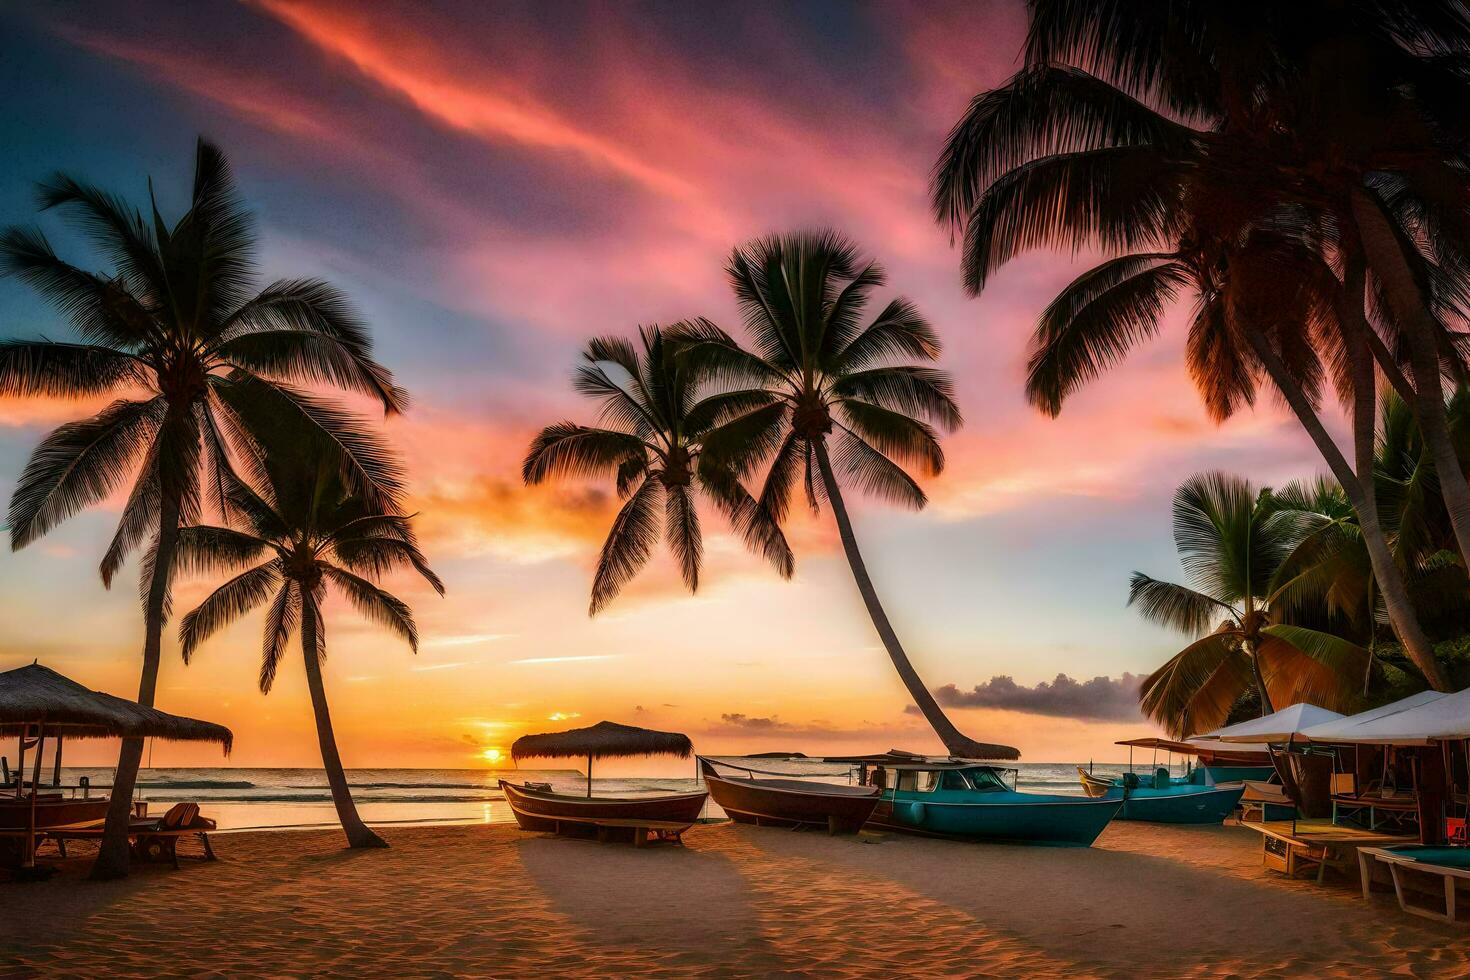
(1234, 543)
(657, 412)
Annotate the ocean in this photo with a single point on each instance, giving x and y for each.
(243, 799)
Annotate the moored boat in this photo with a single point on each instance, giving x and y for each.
(1196, 797)
(53, 811)
(785, 802)
(971, 800)
(537, 807)
(1165, 798)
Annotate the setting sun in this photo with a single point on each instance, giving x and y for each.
(492, 755)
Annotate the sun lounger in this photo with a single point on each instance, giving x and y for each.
(1450, 864)
(154, 838)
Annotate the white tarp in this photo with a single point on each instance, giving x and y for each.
(1444, 718)
(1344, 729)
(1276, 727)
(1215, 745)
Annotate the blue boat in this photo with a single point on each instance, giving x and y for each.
(971, 800)
(1190, 799)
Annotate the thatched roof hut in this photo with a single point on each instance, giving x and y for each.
(604, 740)
(34, 696)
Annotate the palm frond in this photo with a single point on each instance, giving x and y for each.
(228, 603)
(681, 527)
(1176, 606)
(568, 449)
(375, 604)
(319, 430)
(281, 620)
(313, 358)
(101, 310)
(114, 226)
(43, 367)
(920, 392)
(1096, 321)
(753, 523)
(1194, 690)
(894, 434)
(79, 464)
(201, 549)
(873, 473)
(1118, 198)
(629, 544)
(900, 331)
(1042, 110)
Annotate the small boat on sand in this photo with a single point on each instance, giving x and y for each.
(1196, 797)
(1162, 798)
(537, 807)
(971, 800)
(785, 802)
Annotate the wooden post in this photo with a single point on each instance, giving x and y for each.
(589, 775)
(20, 765)
(56, 769)
(36, 766)
(29, 861)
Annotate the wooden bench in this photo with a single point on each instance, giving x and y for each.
(663, 830)
(1398, 866)
(154, 839)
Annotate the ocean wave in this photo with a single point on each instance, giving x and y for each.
(196, 784)
(324, 797)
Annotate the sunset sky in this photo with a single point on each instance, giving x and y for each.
(494, 183)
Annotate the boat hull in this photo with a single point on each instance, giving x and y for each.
(52, 812)
(1020, 818)
(1206, 806)
(539, 810)
(792, 803)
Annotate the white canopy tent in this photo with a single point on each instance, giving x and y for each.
(1440, 719)
(1280, 726)
(1344, 729)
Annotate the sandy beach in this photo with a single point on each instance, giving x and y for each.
(736, 901)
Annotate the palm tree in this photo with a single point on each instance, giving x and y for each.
(197, 363)
(1348, 110)
(838, 405)
(312, 531)
(657, 413)
(1232, 542)
(1059, 155)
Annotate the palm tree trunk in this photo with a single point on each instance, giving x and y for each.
(1385, 570)
(358, 834)
(955, 741)
(1265, 696)
(112, 856)
(1413, 316)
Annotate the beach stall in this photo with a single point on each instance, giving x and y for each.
(1307, 840)
(38, 705)
(1436, 730)
(1382, 786)
(537, 807)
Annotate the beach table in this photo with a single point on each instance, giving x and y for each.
(1294, 848)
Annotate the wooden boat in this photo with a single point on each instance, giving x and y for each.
(971, 800)
(790, 802)
(53, 811)
(1191, 799)
(537, 807)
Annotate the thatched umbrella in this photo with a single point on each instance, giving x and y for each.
(36, 699)
(604, 740)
